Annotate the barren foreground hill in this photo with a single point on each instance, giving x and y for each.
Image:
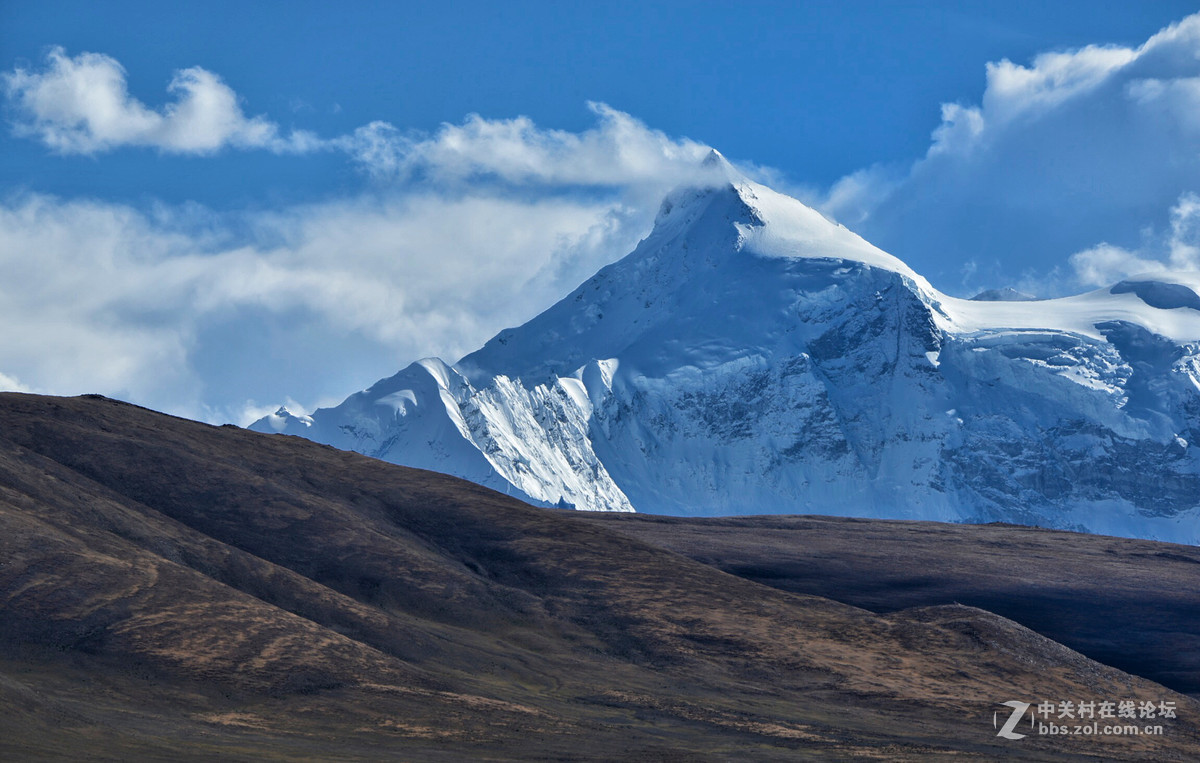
(172, 589)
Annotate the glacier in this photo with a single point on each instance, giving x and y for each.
(752, 357)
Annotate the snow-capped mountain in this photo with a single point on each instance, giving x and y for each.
(751, 357)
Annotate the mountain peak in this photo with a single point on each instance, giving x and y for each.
(1007, 294)
(282, 418)
(764, 222)
(717, 164)
(750, 355)
(684, 205)
(714, 158)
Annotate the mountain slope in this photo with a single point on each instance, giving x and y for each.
(1127, 603)
(171, 589)
(751, 357)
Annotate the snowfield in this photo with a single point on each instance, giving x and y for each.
(751, 357)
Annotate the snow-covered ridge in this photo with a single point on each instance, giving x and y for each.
(750, 356)
(785, 227)
(1159, 303)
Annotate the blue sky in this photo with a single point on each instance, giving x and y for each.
(817, 89)
(230, 204)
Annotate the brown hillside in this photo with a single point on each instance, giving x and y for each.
(170, 589)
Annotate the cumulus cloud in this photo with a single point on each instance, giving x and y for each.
(82, 105)
(1079, 151)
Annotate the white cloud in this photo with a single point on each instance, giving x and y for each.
(1183, 246)
(76, 276)
(1014, 91)
(379, 146)
(853, 197)
(9, 384)
(478, 226)
(619, 150)
(1105, 264)
(115, 301)
(426, 272)
(1077, 148)
(1177, 248)
(182, 309)
(82, 105)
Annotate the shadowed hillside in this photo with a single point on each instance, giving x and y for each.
(171, 589)
(1128, 603)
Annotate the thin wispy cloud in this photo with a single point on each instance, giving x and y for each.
(619, 150)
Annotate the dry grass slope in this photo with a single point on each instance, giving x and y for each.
(174, 590)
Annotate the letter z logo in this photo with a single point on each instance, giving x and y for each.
(1018, 713)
